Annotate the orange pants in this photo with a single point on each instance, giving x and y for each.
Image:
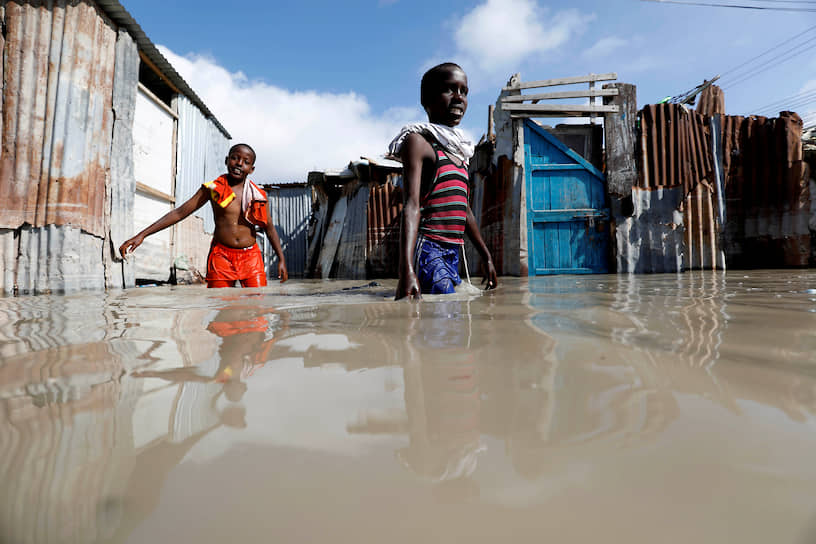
(226, 265)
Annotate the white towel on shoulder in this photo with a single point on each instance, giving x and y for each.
(452, 139)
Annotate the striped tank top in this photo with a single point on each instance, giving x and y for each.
(443, 208)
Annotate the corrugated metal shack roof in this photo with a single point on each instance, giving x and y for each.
(354, 170)
(121, 17)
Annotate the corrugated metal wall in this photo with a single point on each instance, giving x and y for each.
(57, 116)
(676, 152)
(384, 213)
(675, 147)
(766, 193)
(119, 273)
(57, 124)
(290, 208)
(350, 261)
(201, 151)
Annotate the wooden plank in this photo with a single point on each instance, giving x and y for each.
(155, 193)
(620, 135)
(560, 94)
(158, 72)
(559, 108)
(562, 81)
(332, 238)
(158, 101)
(541, 166)
(566, 216)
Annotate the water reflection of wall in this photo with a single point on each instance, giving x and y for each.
(81, 438)
(629, 346)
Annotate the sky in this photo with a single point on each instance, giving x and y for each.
(313, 85)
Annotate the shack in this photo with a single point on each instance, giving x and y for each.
(355, 226)
(100, 136)
(677, 189)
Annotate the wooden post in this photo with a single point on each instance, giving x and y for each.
(620, 137)
(591, 102)
(490, 122)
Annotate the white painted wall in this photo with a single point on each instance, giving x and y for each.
(153, 144)
(153, 258)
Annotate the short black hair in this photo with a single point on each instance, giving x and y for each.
(233, 148)
(431, 77)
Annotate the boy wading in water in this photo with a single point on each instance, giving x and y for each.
(238, 206)
(436, 214)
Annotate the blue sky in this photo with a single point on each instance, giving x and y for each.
(315, 84)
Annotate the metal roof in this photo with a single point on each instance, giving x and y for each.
(119, 15)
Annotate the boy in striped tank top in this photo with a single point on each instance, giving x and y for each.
(436, 214)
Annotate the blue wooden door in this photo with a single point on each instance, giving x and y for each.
(567, 218)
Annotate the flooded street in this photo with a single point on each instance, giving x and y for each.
(663, 408)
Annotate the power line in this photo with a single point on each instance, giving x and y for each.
(767, 51)
(795, 104)
(808, 93)
(716, 5)
(762, 67)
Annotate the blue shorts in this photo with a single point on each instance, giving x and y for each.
(437, 266)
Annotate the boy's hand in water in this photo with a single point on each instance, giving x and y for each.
(283, 274)
(130, 245)
(490, 276)
(409, 287)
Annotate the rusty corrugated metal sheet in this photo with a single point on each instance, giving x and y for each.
(712, 101)
(676, 145)
(702, 247)
(492, 200)
(384, 213)
(767, 193)
(57, 115)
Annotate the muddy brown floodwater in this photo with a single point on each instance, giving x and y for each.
(664, 408)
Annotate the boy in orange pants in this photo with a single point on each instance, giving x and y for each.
(238, 206)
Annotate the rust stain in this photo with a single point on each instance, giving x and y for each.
(57, 93)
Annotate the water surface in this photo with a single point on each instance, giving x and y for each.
(664, 408)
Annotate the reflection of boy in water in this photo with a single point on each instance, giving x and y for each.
(442, 401)
(245, 346)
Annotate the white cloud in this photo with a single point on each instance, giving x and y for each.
(604, 47)
(293, 132)
(498, 35)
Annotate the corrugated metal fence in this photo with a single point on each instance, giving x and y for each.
(384, 212)
(763, 178)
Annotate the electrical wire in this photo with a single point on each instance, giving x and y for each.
(774, 61)
(790, 106)
(806, 94)
(738, 6)
(735, 68)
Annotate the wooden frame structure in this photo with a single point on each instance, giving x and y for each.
(517, 106)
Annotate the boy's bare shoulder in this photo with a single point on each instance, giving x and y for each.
(416, 144)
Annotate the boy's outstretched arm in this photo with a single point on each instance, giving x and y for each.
(170, 218)
(274, 239)
(472, 230)
(413, 155)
